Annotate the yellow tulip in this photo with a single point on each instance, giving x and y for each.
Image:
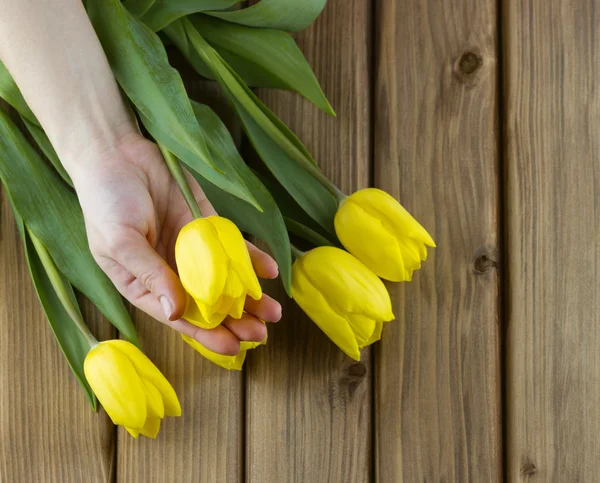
(133, 392)
(342, 296)
(216, 271)
(226, 362)
(378, 231)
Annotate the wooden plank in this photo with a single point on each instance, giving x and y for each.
(308, 405)
(49, 432)
(206, 443)
(553, 218)
(436, 150)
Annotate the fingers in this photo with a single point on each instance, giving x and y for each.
(220, 339)
(248, 328)
(151, 279)
(225, 339)
(267, 308)
(264, 265)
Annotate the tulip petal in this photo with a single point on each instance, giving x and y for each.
(376, 335)
(384, 206)
(368, 239)
(210, 314)
(235, 362)
(310, 299)
(226, 362)
(148, 371)
(116, 383)
(193, 315)
(363, 328)
(133, 432)
(201, 260)
(151, 428)
(237, 251)
(156, 407)
(379, 231)
(347, 283)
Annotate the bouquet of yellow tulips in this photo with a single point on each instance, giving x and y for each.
(352, 242)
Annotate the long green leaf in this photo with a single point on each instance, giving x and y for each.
(139, 62)
(11, 94)
(137, 8)
(44, 144)
(285, 159)
(51, 210)
(163, 12)
(296, 219)
(288, 15)
(72, 343)
(267, 225)
(227, 183)
(263, 57)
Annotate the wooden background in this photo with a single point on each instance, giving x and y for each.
(482, 117)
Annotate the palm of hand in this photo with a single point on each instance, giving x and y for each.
(133, 211)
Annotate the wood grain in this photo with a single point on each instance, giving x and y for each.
(206, 443)
(552, 161)
(48, 431)
(308, 405)
(437, 388)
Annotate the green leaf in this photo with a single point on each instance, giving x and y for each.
(288, 15)
(296, 219)
(72, 343)
(263, 57)
(44, 144)
(163, 12)
(289, 163)
(11, 94)
(139, 62)
(228, 183)
(51, 210)
(267, 225)
(137, 8)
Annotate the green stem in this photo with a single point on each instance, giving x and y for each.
(60, 289)
(296, 252)
(307, 233)
(181, 180)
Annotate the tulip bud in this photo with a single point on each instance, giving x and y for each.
(132, 390)
(216, 271)
(342, 296)
(235, 362)
(378, 231)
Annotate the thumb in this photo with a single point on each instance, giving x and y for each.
(151, 273)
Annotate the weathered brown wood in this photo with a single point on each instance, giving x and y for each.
(206, 443)
(48, 431)
(552, 98)
(436, 150)
(308, 405)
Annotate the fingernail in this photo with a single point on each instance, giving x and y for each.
(166, 305)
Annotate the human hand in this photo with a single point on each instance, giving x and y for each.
(133, 213)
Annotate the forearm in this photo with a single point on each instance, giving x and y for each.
(51, 50)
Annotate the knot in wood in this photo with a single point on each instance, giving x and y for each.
(357, 370)
(486, 259)
(469, 63)
(528, 469)
(466, 67)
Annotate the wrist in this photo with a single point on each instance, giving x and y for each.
(91, 141)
